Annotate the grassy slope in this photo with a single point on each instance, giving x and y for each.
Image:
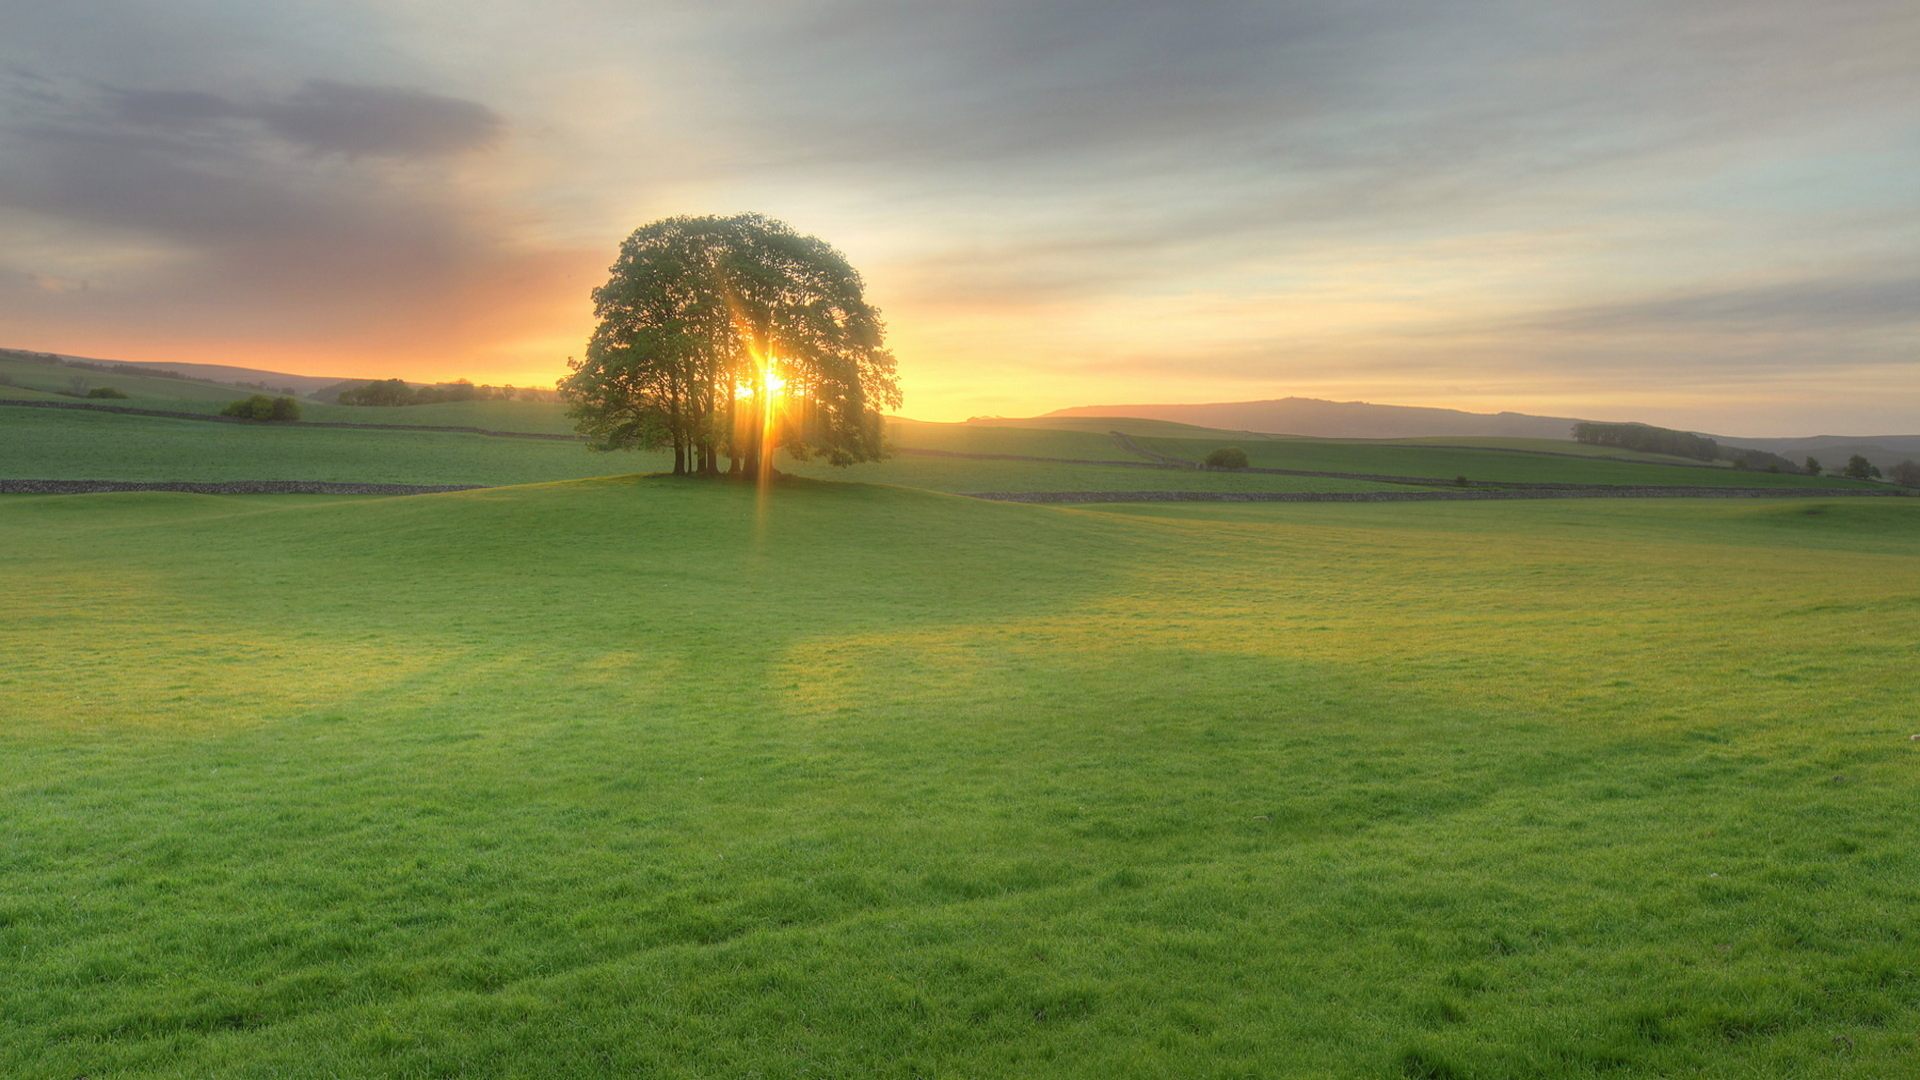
(1549, 446)
(96, 446)
(967, 475)
(152, 393)
(539, 417)
(1000, 439)
(616, 778)
(40, 381)
(23, 393)
(46, 444)
(85, 445)
(1402, 459)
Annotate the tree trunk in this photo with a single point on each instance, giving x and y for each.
(679, 459)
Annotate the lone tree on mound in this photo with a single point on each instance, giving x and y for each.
(735, 336)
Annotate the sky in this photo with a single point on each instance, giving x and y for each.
(1703, 213)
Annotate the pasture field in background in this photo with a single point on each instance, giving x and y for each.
(651, 777)
(65, 444)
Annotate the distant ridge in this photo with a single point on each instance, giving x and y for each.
(1340, 419)
(227, 373)
(1363, 420)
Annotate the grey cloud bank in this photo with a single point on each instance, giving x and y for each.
(1541, 203)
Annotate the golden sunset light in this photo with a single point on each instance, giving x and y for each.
(1088, 539)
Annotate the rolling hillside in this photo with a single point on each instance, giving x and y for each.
(1337, 419)
(38, 443)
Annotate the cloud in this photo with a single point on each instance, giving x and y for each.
(336, 213)
(1275, 192)
(332, 117)
(1862, 301)
(354, 120)
(171, 108)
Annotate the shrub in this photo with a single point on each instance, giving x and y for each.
(1460, 481)
(1859, 468)
(265, 409)
(1906, 474)
(106, 392)
(384, 392)
(1227, 457)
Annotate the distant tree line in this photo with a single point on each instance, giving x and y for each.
(30, 357)
(1648, 439)
(395, 392)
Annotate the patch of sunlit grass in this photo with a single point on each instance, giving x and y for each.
(602, 778)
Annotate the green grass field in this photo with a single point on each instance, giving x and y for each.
(26, 380)
(1396, 458)
(143, 391)
(71, 445)
(76, 445)
(656, 777)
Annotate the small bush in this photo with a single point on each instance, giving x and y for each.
(106, 392)
(1460, 481)
(265, 409)
(1227, 457)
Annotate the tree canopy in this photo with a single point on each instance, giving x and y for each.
(735, 336)
(1859, 468)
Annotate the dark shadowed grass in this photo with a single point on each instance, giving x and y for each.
(651, 777)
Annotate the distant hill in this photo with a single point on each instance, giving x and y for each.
(1833, 451)
(305, 385)
(1363, 420)
(1340, 419)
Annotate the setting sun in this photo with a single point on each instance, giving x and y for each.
(1070, 541)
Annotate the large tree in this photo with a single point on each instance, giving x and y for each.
(733, 336)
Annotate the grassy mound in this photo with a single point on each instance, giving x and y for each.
(627, 776)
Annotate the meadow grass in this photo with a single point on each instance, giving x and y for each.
(537, 417)
(70, 445)
(1000, 438)
(658, 777)
(1395, 458)
(977, 476)
(66, 445)
(154, 392)
(1546, 446)
(31, 381)
(75, 445)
